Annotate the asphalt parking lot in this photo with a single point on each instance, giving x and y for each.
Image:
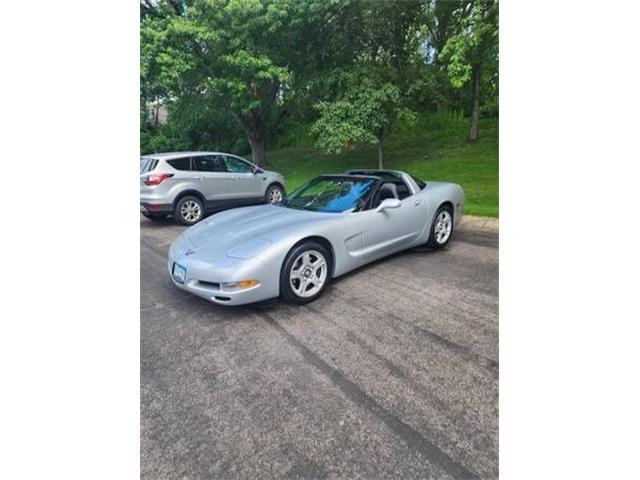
(393, 373)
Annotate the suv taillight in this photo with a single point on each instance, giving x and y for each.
(156, 178)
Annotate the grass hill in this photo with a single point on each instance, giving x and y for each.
(434, 148)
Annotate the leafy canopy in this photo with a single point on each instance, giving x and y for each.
(365, 113)
(475, 42)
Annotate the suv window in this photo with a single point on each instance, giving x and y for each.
(147, 164)
(236, 165)
(181, 163)
(208, 163)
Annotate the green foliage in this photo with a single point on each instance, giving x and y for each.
(340, 125)
(366, 114)
(433, 147)
(216, 48)
(236, 53)
(474, 43)
(194, 125)
(159, 141)
(366, 97)
(342, 75)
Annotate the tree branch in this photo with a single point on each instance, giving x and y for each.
(177, 7)
(270, 99)
(242, 122)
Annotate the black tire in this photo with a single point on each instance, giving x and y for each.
(274, 190)
(433, 239)
(287, 293)
(154, 216)
(189, 210)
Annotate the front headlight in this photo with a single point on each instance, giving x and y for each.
(241, 285)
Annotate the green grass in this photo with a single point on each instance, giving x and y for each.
(434, 148)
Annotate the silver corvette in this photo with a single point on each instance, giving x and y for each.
(326, 228)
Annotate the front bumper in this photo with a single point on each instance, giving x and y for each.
(205, 279)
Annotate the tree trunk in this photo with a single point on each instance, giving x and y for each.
(258, 149)
(380, 165)
(258, 139)
(475, 107)
(253, 123)
(256, 131)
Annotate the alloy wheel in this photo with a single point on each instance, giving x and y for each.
(191, 211)
(444, 223)
(308, 273)
(275, 195)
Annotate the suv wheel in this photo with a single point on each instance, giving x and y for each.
(188, 210)
(274, 194)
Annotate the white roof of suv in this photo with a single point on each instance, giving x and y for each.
(170, 155)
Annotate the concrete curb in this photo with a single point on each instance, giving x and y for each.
(478, 224)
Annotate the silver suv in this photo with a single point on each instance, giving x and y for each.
(189, 184)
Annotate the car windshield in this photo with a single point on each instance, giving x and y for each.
(331, 194)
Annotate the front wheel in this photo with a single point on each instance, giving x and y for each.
(305, 273)
(188, 210)
(441, 228)
(274, 194)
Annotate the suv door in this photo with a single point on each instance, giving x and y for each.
(182, 176)
(217, 184)
(248, 183)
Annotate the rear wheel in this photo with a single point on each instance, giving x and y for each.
(188, 210)
(274, 194)
(305, 273)
(441, 228)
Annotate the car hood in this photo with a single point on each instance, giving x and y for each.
(245, 232)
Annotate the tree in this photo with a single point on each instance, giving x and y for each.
(367, 97)
(366, 113)
(239, 53)
(471, 50)
(441, 23)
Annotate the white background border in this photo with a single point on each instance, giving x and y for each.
(569, 176)
(69, 344)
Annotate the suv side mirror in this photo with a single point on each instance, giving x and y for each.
(388, 203)
(256, 170)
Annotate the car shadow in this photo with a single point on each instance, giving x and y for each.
(201, 308)
(159, 223)
(364, 268)
(170, 221)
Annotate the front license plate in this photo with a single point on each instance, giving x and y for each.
(179, 273)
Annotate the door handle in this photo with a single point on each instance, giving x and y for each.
(417, 203)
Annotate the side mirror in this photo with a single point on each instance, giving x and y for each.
(388, 203)
(257, 170)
